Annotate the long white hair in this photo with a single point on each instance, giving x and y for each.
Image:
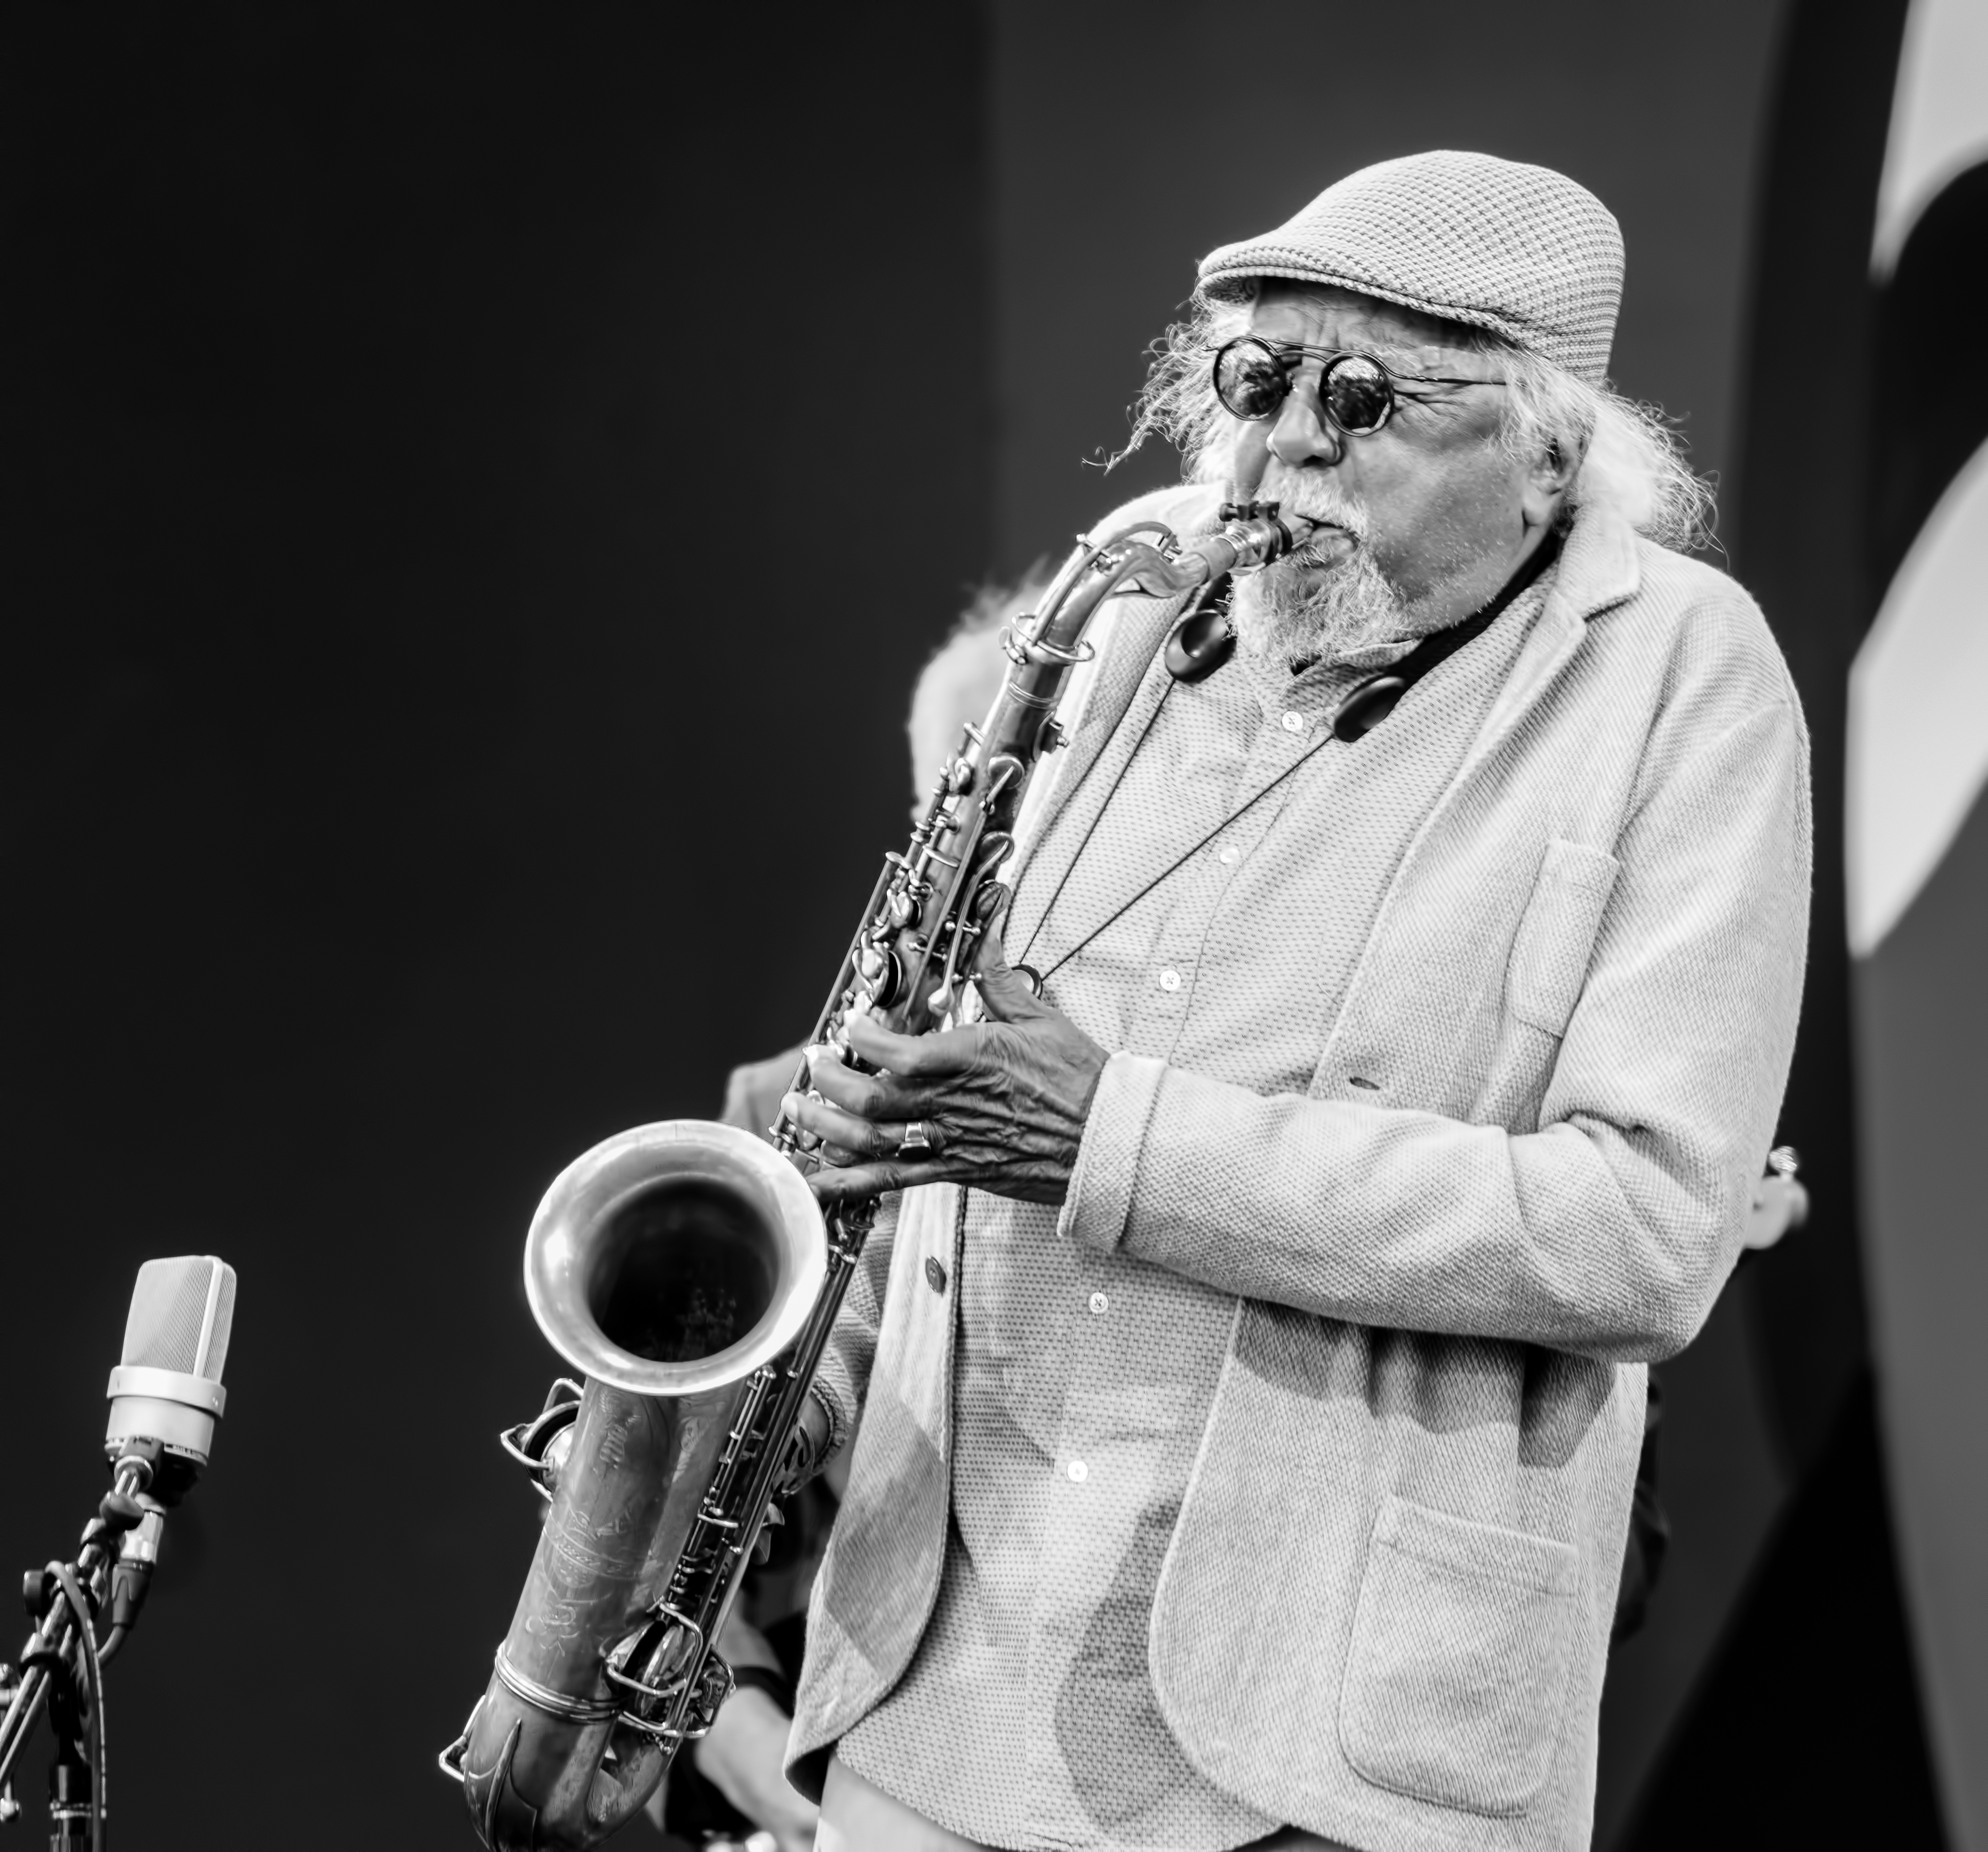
(1631, 457)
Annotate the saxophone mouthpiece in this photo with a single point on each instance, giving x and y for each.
(1253, 534)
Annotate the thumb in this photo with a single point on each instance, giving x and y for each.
(1006, 994)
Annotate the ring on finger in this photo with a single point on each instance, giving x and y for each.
(918, 1140)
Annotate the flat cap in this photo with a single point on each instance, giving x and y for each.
(1520, 250)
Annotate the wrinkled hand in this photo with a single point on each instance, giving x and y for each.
(1003, 1102)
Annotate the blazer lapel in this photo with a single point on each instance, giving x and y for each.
(1598, 569)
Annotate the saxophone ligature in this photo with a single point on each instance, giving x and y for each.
(685, 1270)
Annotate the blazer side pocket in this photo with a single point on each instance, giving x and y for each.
(1556, 938)
(1461, 1658)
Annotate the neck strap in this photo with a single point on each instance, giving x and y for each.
(1368, 703)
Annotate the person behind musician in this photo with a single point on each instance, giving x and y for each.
(1251, 1351)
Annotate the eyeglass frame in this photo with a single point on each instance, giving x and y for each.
(1289, 355)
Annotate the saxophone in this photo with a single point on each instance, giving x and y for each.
(684, 1269)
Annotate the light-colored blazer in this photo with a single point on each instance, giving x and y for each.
(1521, 1171)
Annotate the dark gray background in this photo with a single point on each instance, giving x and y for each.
(479, 486)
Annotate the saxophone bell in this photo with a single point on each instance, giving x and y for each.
(672, 1265)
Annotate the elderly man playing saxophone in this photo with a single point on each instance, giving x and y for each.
(1250, 1353)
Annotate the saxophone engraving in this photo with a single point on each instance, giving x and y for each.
(685, 1269)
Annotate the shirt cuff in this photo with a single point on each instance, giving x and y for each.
(1099, 1202)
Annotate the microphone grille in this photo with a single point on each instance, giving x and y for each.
(182, 1311)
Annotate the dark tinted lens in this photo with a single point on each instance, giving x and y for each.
(1249, 380)
(1357, 394)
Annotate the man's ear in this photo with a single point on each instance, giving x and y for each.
(1546, 484)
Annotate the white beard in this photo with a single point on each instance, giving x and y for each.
(1319, 604)
(1299, 611)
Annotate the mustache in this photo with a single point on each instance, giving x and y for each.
(1318, 501)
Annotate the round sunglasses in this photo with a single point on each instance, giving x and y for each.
(1253, 379)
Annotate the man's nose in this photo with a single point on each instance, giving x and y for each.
(1302, 433)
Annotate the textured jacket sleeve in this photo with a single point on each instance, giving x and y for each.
(844, 1379)
(1610, 1230)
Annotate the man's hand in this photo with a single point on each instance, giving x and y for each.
(742, 1758)
(1779, 1204)
(1003, 1103)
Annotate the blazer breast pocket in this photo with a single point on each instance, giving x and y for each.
(1461, 1661)
(1555, 936)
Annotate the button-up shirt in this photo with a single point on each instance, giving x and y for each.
(1083, 1381)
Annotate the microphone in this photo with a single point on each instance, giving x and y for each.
(166, 1393)
(165, 1397)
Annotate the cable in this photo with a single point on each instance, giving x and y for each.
(85, 1624)
(1090, 829)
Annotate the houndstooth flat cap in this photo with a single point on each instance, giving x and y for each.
(1520, 250)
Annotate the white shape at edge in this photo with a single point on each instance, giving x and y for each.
(1940, 116)
(1918, 747)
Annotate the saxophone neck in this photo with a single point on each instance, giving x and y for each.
(1252, 535)
(1148, 557)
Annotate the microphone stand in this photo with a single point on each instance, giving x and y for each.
(62, 1658)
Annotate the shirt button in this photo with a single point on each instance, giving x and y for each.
(1170, 979)
(1079, 1472)
(1294, 723)
(934, 1275)
(1230, 855)
(1099, 1303)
